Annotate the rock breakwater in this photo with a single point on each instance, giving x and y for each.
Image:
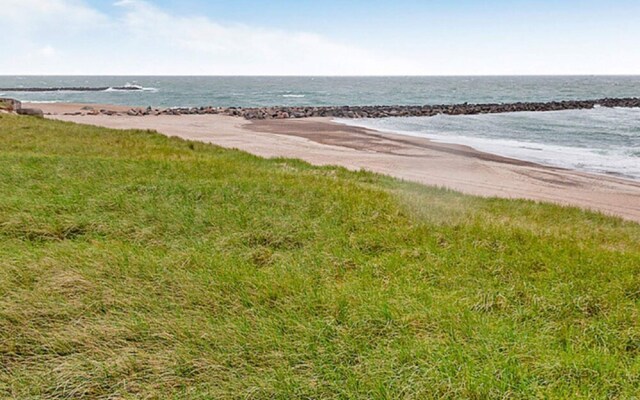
(390, 111)
(72, 89)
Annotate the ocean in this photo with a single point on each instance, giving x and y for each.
(322, 91)
(601, 140)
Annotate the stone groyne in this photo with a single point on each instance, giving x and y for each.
(255, 113)
(391, 111)
(71, 89)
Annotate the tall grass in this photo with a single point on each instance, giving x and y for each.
(138, 266)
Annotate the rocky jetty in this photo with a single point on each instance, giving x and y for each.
(71, 89)
(390, 111)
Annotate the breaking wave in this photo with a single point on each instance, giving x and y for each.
(602, 140)
(131, 88)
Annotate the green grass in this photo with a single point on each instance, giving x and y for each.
(138, 266)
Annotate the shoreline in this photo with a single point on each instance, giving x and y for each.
(320, 141)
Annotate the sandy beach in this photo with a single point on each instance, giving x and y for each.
(320, 141)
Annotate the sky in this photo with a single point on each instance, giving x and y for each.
(328, 37)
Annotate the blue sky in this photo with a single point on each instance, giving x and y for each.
(320, 37)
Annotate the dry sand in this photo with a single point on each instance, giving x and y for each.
(323, 142)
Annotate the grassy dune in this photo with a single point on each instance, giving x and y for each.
(138, 266)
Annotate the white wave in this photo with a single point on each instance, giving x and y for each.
(587, 159)
(128, 87)
(599, 141)
(294, 95)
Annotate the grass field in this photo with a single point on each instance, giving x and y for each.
(138, 266)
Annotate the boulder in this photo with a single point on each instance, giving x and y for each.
(33, 112)
(10, 105)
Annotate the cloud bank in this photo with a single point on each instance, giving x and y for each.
(69, 37)
(136, 37)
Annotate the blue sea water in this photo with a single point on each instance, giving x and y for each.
(601, 140)
(316, 91)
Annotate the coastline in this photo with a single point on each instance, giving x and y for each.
(320, 141)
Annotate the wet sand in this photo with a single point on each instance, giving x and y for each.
(323, 142)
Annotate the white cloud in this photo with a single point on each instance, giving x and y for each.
(48, 51)
(136, 37)
(216, 48)
(44, 14)
(144, 39)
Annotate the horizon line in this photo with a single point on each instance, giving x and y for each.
(330, 76)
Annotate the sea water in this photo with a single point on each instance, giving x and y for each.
(322, 91)
(601, 140)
